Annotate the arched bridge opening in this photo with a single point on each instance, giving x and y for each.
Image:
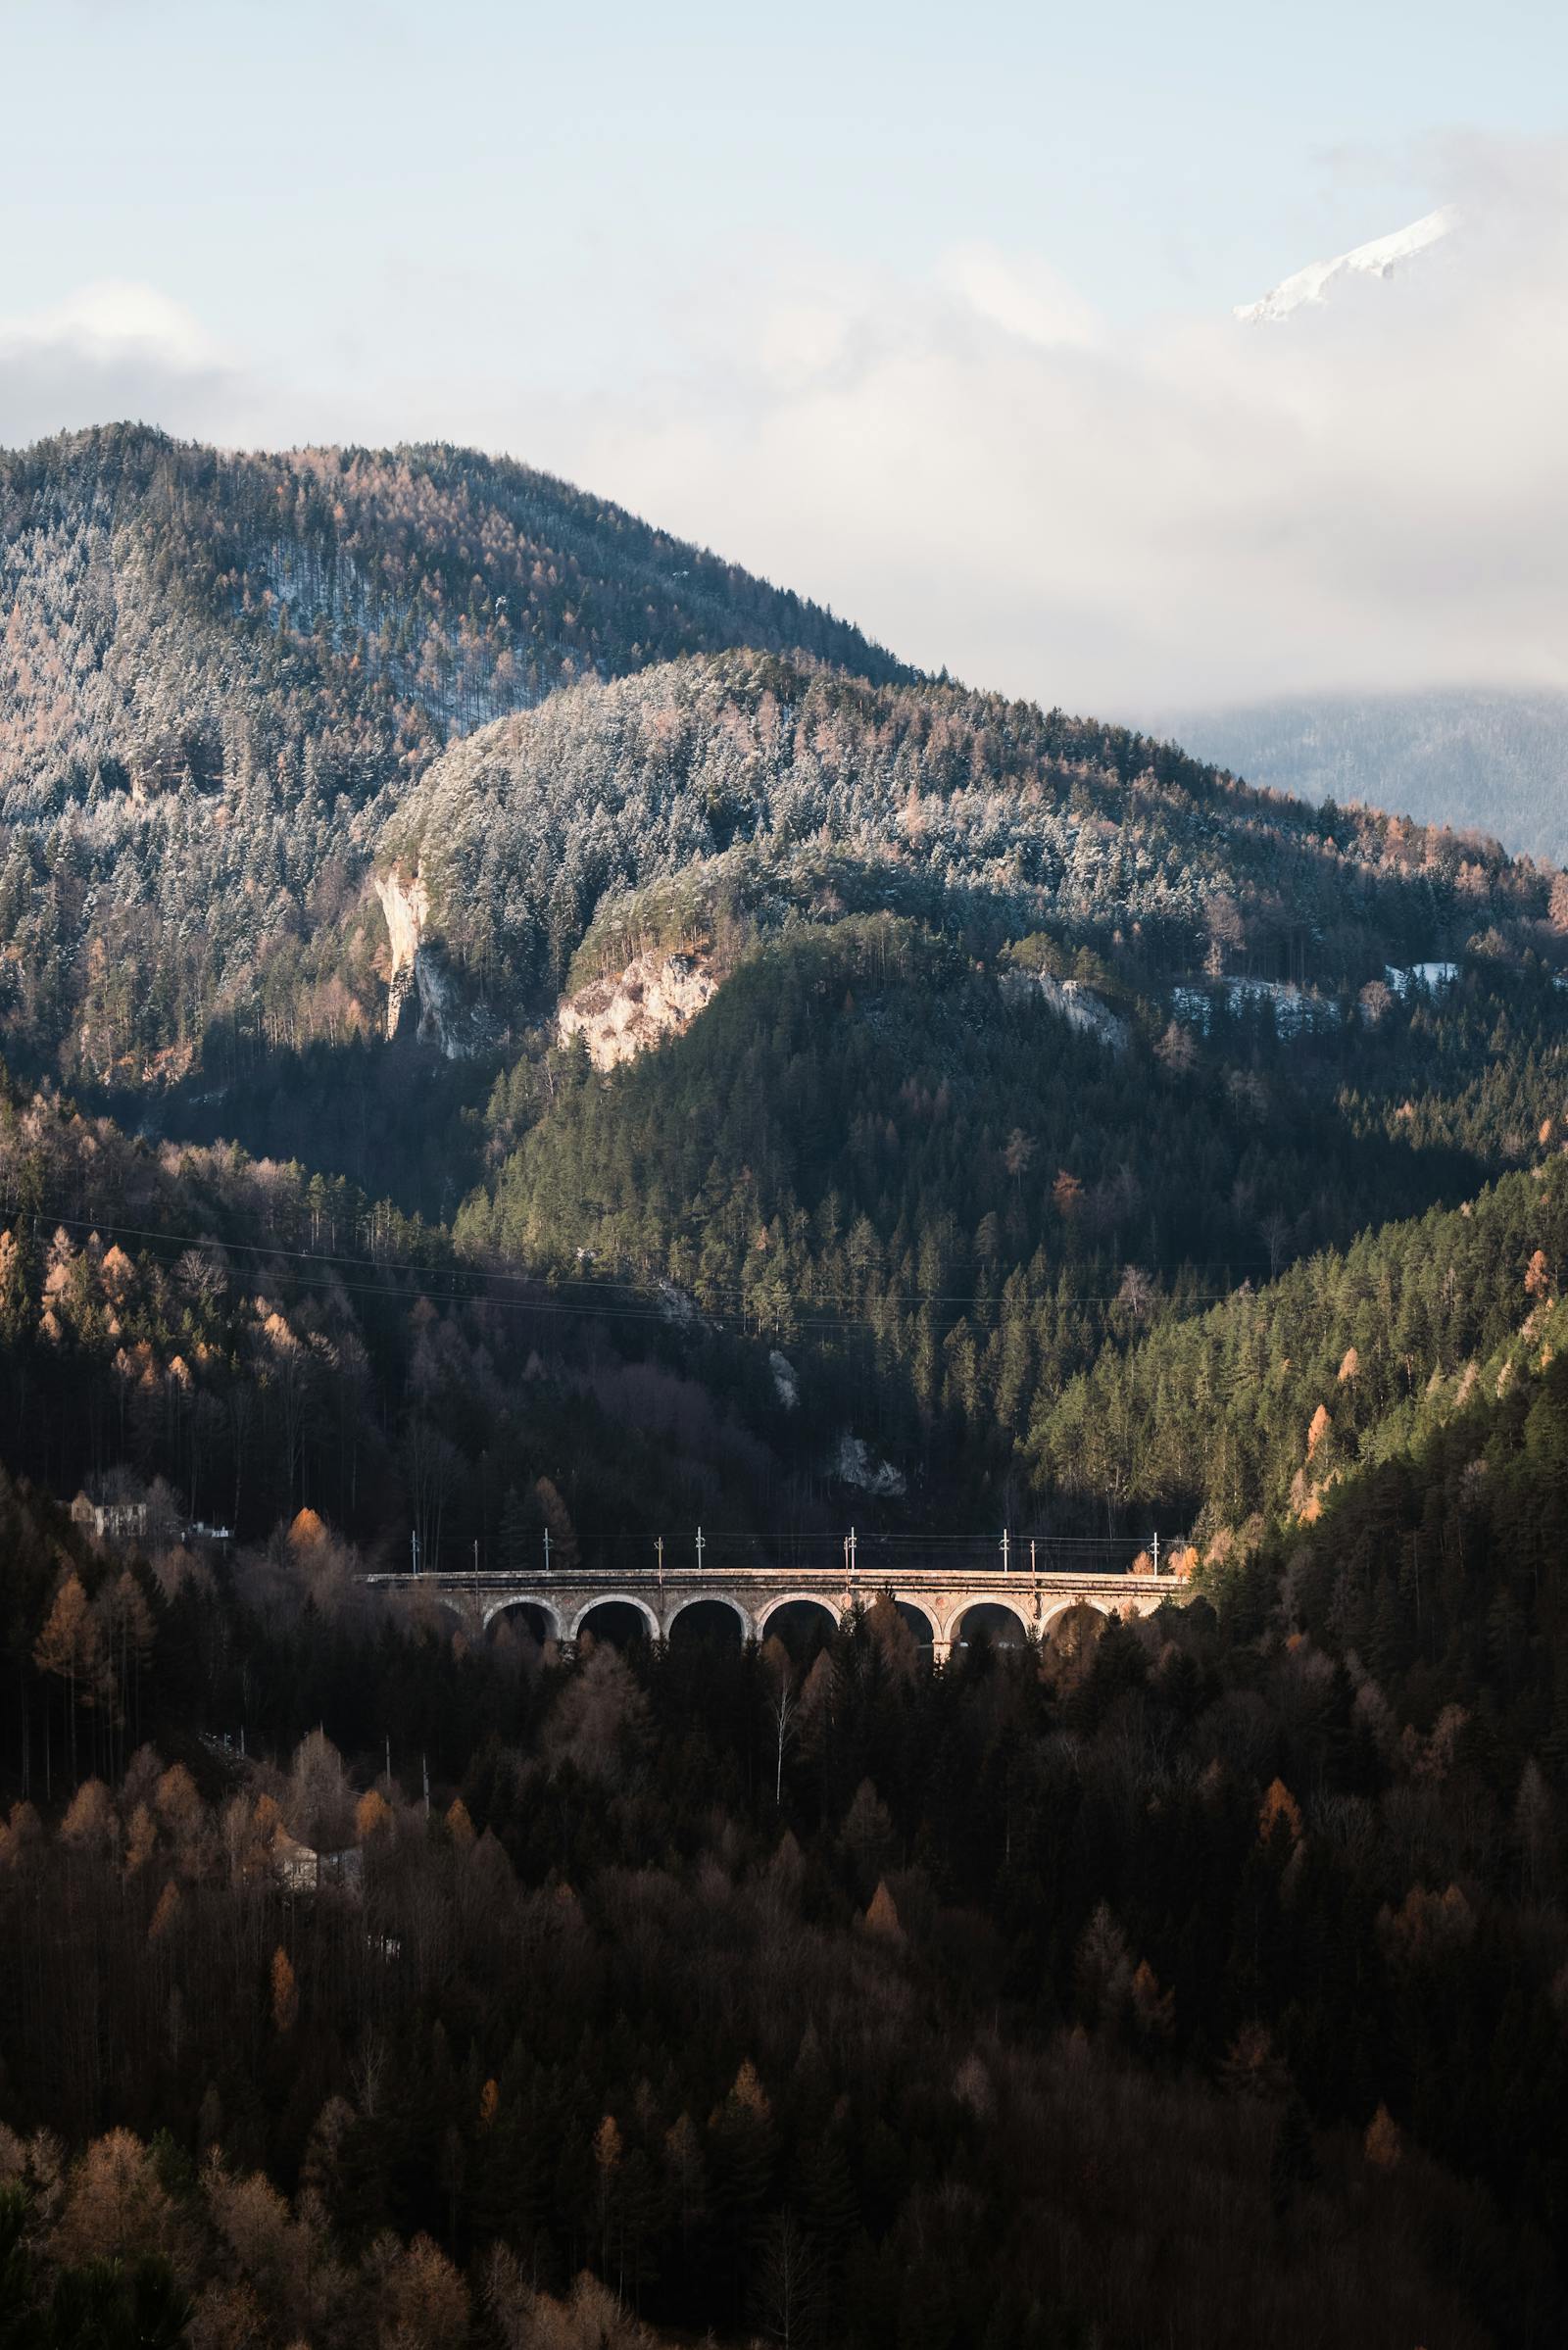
(803, 1623)
(531, 1620)
(717, 1623)
(990, 1624)
(622, 1621)
(1071, 1632)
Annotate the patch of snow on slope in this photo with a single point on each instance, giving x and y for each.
(677, 1307)
(855, 1463)
(1294, 1010)
(1309, 287)
(1420, 975)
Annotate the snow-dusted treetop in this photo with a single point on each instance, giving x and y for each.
(1379, 258)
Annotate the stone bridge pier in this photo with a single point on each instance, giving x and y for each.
(937, 1604)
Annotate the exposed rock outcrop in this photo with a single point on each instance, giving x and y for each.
(657, 996)
(406, 903)
(420, 971)
(1074, 1003)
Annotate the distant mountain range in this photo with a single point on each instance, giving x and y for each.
(1481, 758)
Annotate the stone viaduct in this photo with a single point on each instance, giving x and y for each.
(936, 1601)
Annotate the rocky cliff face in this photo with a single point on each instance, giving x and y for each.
(419, 972)
(406, 903)
(1072, 1002)
(657, 996)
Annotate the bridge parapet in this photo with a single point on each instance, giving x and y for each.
(564, 1602)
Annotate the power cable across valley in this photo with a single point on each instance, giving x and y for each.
(670, 1310)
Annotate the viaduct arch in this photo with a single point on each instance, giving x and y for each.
(725, 1599)
(922, 1619)
(992, 1604)
(525, 1604)
(614, 1598)
(821, 1600)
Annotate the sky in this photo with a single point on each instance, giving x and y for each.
(927, 313)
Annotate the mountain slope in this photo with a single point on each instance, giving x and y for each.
(1263, 1406)
(379, 597)
(901, 1159)
(213, 667)
(924, 798)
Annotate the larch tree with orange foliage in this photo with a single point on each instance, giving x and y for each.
(71, 1648)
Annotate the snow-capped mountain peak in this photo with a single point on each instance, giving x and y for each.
(1379, 258)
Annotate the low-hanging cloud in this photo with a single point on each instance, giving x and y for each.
(112, 350)
(1371, 494)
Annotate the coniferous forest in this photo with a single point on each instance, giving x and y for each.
(513, 1028)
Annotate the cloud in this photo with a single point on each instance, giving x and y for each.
(1021, 295)
(1372, 493)
(115, 349)
(109, 318)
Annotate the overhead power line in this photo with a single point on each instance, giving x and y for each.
(435, 1280)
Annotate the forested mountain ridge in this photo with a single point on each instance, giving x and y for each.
(355, 592)
(959, 806)
(1352, 1358)
(226, 682)
(213, 668)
